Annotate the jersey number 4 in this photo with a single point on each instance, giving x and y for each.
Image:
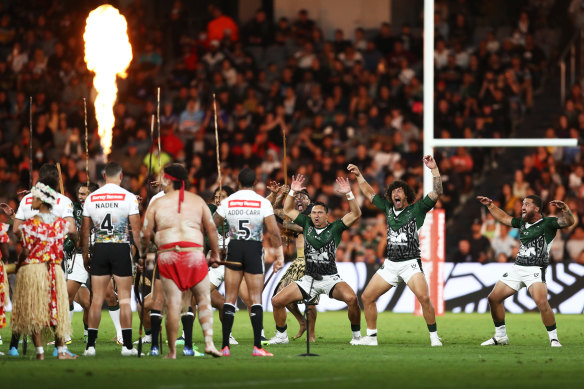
(244, 231)
(106, 224)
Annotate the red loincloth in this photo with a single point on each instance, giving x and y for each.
(185, 268)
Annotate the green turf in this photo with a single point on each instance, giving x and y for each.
(404, 358)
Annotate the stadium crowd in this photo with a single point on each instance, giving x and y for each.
(351, 99)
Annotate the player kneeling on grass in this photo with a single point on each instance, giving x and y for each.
(403, 263)
(536, 234)
(321, 240)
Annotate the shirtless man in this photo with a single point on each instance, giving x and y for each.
(181, 262)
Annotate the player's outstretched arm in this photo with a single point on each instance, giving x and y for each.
(344, 187)
(437, 190)
(296, 186)
(566, 219)
(366, 189)
(275, 241)
(498, 213)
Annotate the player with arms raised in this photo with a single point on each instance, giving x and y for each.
(403, 263)
(321, 240)
(536, 234)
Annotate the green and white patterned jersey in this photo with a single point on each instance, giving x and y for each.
(535, 240)
(403, 240)
(320, 245)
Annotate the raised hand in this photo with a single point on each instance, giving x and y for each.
(484, 200)
(354, 169)
(6, 209)
(273, 187)
(558, 204)
(344, 186)
(297, 183)
(430, 162)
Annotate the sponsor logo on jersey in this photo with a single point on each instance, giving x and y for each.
(28, 201)
(108, 197)
(244, 204)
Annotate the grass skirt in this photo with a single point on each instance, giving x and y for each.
(30, 311)
(4, 295)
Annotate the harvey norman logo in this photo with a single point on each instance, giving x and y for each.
(244, 204)
(28, 201)
(108, 197)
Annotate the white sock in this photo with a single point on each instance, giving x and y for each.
(40, 350)
(60, 349)
(434, 335)
(553, 334)
(71, 312)
(500, 331)
(372, 332)
(356, 334)
(263, 334)
(115, 315)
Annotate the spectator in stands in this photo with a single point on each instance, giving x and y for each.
(222, 27)
(480, 247)
(575, 244)
(504, 245)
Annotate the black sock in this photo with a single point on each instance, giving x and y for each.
(85, 326)
(355, 327)
(147, 331)
(127, 336)
(91, 337)
(155, 322)
(187, 319)
(499, 323)
(432, 327)
(551, 328)
(228, 318)
(257, 321)
(282, 329)
(14, 340)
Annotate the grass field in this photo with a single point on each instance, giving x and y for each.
(404, 358)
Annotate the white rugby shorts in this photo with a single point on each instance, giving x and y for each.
(519, 276)
(395, 272)
(76, 270)
(324, 286)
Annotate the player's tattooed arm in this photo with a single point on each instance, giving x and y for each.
(566, 219)
(498, 213)
(436, 179)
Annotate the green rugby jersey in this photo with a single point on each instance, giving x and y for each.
(320, 248)
(535, 240)
(220, 229)
(69, 246)
(403, 240)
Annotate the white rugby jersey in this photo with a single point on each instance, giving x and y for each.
(156, 196)
(63, 208)
(245, 211)
(109, 208)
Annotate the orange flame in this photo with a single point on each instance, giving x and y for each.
(108, 54)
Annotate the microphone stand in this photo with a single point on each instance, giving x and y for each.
(317, 277)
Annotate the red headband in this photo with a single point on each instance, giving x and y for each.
(181, 195)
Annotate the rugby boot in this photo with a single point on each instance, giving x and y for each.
(145, 339)
(90, 352)
(367, 341)
(232, 340)
(356, 340)
(279, 338)
(260, 352)
(189, 352)
(496, 341)
(129, 352)
(154, 352)
(555, 343)
(226, 352)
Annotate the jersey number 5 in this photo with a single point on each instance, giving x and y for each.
(106, 224)
(244, 231)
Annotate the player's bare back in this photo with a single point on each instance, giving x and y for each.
(186, 226)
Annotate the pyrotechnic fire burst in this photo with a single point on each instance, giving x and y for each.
(108, 54)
